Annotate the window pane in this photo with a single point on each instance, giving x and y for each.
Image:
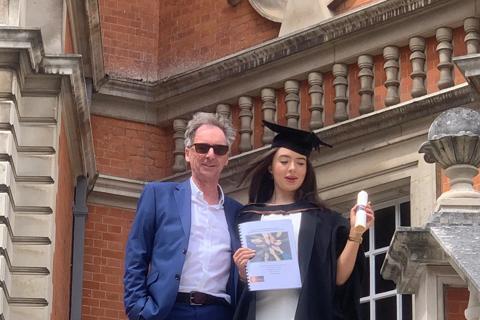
(386, 309)
(384, 226)
(366, 279)
(365, 310)
(405, 214)
(381, 285)
(407, 307)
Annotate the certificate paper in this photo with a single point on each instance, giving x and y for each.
(275, 265)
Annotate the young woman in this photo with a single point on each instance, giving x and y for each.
(283, 186)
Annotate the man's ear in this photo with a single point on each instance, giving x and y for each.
(269, 169)
(187, 154)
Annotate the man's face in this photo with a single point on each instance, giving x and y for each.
(207, 166)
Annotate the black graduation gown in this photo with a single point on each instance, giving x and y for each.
(322, 237)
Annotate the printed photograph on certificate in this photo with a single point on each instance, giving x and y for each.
(270, 246)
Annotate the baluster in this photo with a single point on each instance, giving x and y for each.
(472, 34)
(365, 63)
(245, 103)
(417, 58)
(340, 83)
(391, 55)
(315, 81)
(269, 109)
(223, 110)
(179, 126)
(291, 100)
(444, 49)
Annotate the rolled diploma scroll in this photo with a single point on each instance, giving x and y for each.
(361, 217)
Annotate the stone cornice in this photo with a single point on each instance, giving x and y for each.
(22, 50)
(247, 61)
(116, 192)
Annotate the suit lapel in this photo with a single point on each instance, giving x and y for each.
(182, 196)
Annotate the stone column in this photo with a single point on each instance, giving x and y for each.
(472, 34)
(445, 49)
(365, 63)
(223, 110)
(245, 103)
(315, 82)
(268, 109)
(179, 126)
(417, 58)
(340, 84)
(391, 65)
(291, 100)
(473, 309)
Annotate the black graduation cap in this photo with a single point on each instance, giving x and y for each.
(297, 140)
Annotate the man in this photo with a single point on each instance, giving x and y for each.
(178, 262)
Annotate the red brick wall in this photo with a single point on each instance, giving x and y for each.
(130, 37)
(455, 301)
(145, 40)
(106, 235)
(63, 234)
(68, 45)
(132, 150)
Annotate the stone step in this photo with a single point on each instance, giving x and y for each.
(26, 164)
(23, 285)
(25, 194)
(27, 135)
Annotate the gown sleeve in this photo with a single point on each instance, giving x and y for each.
(347, 296)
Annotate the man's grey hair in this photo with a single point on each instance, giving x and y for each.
(201, 118)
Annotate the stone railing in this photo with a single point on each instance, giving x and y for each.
(334, 93)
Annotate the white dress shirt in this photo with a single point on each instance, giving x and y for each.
(279, 304)
(208, 257)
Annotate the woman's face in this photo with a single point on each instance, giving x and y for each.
(288, 170)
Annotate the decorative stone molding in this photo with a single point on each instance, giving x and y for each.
(116, 192)
(391, 65)
(473, 309)
(315, 81)
(417, 59)
(291, 100)
(472, 34)
(453, 143)
(269, 109)
(179, 127)
(246, 104)
(365, 63)
(445, 48)
(340, 72)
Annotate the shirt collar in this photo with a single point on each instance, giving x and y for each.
(197, 193)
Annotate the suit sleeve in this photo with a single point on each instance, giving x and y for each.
(138, 253)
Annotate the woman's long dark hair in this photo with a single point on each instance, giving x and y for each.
(262, 185)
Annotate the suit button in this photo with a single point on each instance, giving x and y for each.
(177, 277)
(184, 251)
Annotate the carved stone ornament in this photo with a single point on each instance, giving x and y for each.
(293, 14)
(454, 143)
(273, 10)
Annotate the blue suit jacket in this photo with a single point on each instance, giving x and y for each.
(156, 248)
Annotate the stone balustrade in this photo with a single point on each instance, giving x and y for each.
(329, 96)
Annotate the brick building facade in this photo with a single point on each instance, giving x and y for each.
(96, 105)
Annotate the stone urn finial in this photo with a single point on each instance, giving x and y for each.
(454, 143)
